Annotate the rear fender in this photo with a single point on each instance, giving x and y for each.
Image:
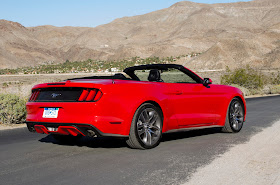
(152, 100)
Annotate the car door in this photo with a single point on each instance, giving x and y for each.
(192, 103)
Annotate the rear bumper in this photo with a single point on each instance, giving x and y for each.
(68, 129)
(105, 117)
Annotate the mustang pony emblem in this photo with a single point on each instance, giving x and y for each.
(54, 95)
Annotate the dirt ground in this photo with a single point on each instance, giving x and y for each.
(256, 162)
(12, 126)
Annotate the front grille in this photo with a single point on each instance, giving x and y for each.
(65, 94)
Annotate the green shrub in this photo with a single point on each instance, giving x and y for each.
(5, 85)
(273, 79)
(12, 109)
(275, 89)
(245, 77)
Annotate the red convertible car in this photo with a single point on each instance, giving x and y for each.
(140, 104)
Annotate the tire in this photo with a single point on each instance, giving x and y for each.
(146, 127)
(235, 117)
(66, 138)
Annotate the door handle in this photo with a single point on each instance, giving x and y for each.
(178, 92)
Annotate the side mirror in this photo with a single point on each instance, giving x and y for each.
(207, 81)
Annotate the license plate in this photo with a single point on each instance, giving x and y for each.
(50, 112)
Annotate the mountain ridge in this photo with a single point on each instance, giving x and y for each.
(219, 31)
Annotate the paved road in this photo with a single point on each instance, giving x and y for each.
(27, 158)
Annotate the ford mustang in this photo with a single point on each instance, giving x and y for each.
(140, 105)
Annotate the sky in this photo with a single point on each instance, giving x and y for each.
(84, 13)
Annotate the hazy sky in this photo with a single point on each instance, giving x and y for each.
(89, 13)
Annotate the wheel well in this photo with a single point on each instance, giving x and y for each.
(238, 97)
(156, 105)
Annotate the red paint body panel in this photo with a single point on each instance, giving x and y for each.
(182, 105)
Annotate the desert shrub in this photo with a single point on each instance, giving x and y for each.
(273, 79)
(245, 91)
(12, 109)
(275, 89)
(5, 85)
(244, 77)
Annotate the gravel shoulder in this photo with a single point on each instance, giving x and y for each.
(255, 162)
(7, 127)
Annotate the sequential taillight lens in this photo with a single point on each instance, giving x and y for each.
(84, 95)
(90, 95)
(34, 95)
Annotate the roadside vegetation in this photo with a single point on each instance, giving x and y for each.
(92, 66)
(252, 81)
(12, 109)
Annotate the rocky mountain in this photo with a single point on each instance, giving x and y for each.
(230, 34)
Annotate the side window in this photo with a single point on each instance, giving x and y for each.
(142, 74)
(169, 76)
(176, 76)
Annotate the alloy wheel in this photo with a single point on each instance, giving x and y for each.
(149, 126)
(236, 115)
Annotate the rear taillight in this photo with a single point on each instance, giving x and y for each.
(34, 95)
(90, 95)
(59, 94)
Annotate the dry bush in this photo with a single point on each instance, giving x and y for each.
(12, 109)
(252, 81)
(244, 77)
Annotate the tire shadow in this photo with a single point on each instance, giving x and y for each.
(189, 134)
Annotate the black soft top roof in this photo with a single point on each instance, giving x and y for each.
(153, 66)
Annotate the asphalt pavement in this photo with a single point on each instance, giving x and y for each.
(31, 158)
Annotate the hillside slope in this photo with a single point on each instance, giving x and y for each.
(227, 34)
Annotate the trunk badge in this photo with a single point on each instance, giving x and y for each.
(54, 95)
